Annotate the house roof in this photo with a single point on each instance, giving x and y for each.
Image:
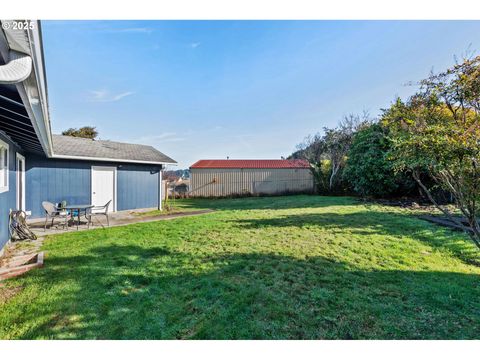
(250, 164)
(69, 147)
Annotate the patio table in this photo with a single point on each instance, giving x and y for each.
(79, 209)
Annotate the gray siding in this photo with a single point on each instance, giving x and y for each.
(225, 182)
(8, 198)
(56, 180)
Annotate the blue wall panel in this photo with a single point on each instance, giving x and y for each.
(137, 187)
(8, 198)
(56, 180)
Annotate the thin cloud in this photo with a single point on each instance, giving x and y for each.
(194, 45)
(104, 95)
(99, 94)
(122, 95)
(160, 138)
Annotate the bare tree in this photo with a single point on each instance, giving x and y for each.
(331, 147)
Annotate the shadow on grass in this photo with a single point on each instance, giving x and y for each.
(131, 292)
(370, 222)
(268, 202)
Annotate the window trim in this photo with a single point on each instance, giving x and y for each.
(3, 144)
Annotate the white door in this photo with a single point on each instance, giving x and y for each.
(20, 182)
(104, 186)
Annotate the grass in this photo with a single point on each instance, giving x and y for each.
(298, 267)
(174, 206)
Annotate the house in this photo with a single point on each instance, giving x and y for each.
(181, 186)
(211, 178)
(175, 187)
(36, 165)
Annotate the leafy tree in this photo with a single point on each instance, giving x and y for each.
(368, 169)
(88, 132)
(438, 130)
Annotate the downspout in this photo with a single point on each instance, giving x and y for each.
(17, 69)
(159, 206)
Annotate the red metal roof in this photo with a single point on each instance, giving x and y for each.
(250, 164)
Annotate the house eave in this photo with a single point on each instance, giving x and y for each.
(33, 90)
(39, 105)
(90, 158)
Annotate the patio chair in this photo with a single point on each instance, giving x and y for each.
(97, 210)
(52, 212)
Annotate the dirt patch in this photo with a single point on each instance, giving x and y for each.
(7, 293)
(23, 247)
(411, 203)
(408, 203)
(173, 215)
(444, 221)
(164, 213)
(10, 249)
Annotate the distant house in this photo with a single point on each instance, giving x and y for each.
(37, 166)
(210, 178)
(178, 187)
(172, 175)
(181, 186)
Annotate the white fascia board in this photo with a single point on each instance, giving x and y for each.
(39, 103)
(89, 158)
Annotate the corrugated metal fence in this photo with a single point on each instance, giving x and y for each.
(225, 182)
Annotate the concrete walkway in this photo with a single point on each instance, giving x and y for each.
(118, 218)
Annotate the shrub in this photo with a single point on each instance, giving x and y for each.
(368, 169)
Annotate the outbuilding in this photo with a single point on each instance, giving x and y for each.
(85, 171)
(212, 178)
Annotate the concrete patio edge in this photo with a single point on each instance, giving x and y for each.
(116, 219)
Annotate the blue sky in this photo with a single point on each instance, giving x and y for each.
(243, 89)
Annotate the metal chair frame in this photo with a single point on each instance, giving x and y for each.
(53, 212)
(97, 210)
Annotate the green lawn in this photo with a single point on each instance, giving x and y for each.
(298, 267)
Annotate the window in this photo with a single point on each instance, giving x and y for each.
(3, 166)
